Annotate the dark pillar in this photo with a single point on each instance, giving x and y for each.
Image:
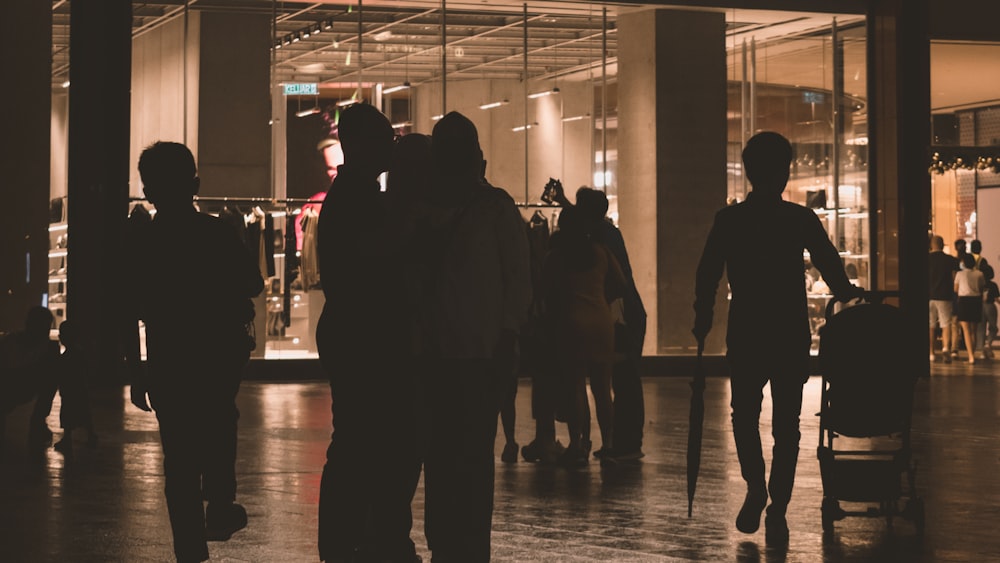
(899, 117)
(100, 71)
(26, 36)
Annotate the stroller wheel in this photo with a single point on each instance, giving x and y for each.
(915, 511)
(830, 510)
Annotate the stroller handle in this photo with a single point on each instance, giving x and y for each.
(874, 297)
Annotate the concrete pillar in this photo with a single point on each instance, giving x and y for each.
(100, 59)
(26, 35)
(899, 106)
(672, 162)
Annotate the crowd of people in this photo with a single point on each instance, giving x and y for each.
(963, 301)
(429, 285)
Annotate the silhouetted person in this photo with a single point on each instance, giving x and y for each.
(969, 286)
(988, 322)
(192, 280)
(372, 465)
(480, 296)
(976, 250)
(956, 330)
(629, 407)
(941, 304)
(760, 243)
(27, 366)
(72, 375)
(580, 279)
(990, 296)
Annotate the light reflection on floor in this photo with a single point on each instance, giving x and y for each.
(107, 504)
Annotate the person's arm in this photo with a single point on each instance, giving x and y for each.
(615, 282)
(710, 268)
(515, 264)
(827, 260)
(130, 336)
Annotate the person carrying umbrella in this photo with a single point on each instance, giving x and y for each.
(760, 243)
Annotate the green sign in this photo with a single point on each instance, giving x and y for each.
(302, 89)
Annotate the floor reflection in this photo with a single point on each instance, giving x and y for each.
(106, 504)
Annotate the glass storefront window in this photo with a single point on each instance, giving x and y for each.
(809, 86)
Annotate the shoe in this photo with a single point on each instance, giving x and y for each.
(573, 457)
(775, 530)
(221, 522)
(954, 353)
(946, 355)
(509, 454)
(586, 445)
(630, 455)
(988, 353)
(748, 520)
(933, 358)
(63, 446)
(604, 453)
(544, 454)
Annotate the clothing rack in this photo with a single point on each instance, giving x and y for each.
(266, 200)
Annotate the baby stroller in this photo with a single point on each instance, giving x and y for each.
(867, 400)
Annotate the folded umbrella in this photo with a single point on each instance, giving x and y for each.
(696, 420)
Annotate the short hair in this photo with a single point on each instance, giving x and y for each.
(165, 163)
(593, 203)
(969, 261)
(361, 124)
(976, 247)
(455, 143)
(937, 242)
(766, 158)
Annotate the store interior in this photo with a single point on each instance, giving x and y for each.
(541, 83)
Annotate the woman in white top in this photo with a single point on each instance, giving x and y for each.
(969, 285)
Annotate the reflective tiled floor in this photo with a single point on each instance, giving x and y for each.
(106, 504)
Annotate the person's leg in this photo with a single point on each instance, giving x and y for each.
(39, 433)
(223, 516)
(968, 330)
(990, 320)
(343, 497)
(630, 411)
(181, 432)
(746, 386)
(508, 414)
(393, 448)
(600, 387)
(933, 318)
(629, 408)
(459, 470)
(786, 399)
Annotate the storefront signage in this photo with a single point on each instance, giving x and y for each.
(302, 89)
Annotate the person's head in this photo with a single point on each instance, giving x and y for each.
(333, 155)
(968, 262)
(592, 203)
(366, 137)
(38, 322)
(455, 146)
(960, 246)
(68, 334)
(937, 243)
(169, 176)
(976, 247)
(987, 271)
(411, 165)
(766, 161)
